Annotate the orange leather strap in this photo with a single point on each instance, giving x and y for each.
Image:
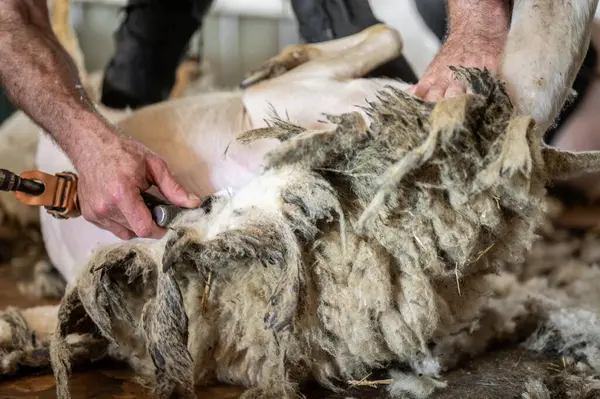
(59, 196)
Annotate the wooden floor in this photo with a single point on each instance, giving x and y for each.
(500, 375)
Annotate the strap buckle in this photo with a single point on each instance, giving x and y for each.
(59, 196)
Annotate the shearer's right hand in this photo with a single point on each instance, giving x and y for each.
(111, 178)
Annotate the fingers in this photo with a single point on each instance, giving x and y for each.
(134, 216)
(122, 232)
(169, 188)
(107, 224)
(455, 89)
(122, 212)
(139, 218)
(421, 89)
(433, 92)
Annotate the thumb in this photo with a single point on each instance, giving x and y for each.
(169, 188)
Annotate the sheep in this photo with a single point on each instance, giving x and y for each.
(364, 239)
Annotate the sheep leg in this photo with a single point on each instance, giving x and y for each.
(136, 307)
(100, 302)
(114, 277)
(187, 72)
(538, 77)
(515, 155)
(346, 58)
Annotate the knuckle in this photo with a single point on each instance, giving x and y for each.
(102, 208)
(158, 164)
(428, 81)
(173, 185)
(117, 194)
(437, 90)
(159, 161)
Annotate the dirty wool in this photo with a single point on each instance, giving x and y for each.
(392, 242)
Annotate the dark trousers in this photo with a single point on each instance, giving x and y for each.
(153, 38)
(149, 45)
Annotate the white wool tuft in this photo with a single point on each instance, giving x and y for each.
(408, 385)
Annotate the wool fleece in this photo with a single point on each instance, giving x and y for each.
(359, 247)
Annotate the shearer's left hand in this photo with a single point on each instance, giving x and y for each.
(477, 34)
(438, 80)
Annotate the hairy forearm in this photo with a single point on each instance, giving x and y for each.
(42, 80)
(489, 19)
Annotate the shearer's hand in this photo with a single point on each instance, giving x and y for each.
(459, 50)
(477, 33)
(110, 181)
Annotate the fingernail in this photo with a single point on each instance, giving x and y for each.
(194, 197)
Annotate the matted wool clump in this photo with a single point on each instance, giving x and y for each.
(356, 248)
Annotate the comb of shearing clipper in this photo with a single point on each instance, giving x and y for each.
(163, 212)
